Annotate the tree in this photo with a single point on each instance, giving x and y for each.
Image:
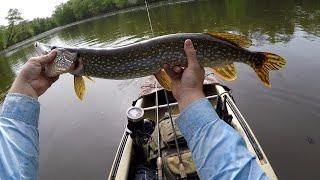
(13, 17)
(63, 14)
(81, 8)
(40, 25)
(2, 38)
(24, 31)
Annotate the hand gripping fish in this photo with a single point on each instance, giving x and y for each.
(218, 50)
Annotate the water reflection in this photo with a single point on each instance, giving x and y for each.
(290, 113)
(264, 22)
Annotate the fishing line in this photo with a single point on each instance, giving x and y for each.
(149, 18)
(183, 174)
(159, 159)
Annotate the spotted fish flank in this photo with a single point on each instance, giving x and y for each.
(216, 50)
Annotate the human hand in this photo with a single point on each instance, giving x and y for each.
(187, 83)
(32, 80)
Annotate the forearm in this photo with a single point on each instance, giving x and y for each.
(19, 138)
(219, 152)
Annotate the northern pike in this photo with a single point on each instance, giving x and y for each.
(217, 50)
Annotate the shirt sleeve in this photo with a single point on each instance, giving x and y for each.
(218, 151)
(19, 137)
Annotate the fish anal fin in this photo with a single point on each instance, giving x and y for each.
(235, 39)
(79, 87)
(226, 72)
(164, 79)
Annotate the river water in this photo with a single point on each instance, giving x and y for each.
(78, 140)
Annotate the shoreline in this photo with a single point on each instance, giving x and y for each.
(125, 10)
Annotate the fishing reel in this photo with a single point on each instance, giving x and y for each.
(141, 129)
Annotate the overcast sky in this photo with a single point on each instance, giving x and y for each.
(29, 8)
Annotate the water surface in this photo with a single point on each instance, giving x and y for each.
(78, 140)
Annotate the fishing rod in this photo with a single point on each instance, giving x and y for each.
(183, 174)
(159, 158)
(182, 171)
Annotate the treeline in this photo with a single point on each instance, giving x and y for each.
(19, 29)
(75, 10)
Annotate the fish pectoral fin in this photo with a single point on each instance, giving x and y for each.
(226, 72)
(164, 79)
(235, 39)
(90, 78)
(79, 86)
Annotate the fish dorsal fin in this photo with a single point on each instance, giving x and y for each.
(79, 86)
(226, 72)
(235, 39)
(164, 79)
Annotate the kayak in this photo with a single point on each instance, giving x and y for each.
(152, 147)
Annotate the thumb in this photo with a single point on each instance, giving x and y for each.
(48, 58)
(190, 53)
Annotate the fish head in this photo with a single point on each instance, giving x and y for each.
(42, 49)
(64, 62)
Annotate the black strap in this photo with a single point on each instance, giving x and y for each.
(222, 111)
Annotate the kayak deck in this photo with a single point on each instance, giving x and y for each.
(124, 160)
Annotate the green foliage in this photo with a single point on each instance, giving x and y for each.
(24, 30)
(2, 38)
(40, 25)
(63, 14)
(13, 17)
(19, 29)
(75, 10)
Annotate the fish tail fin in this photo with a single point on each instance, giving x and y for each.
(79, 86)
(263, 62)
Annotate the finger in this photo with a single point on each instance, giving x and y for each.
(169, 70)
(54, 79)
(172, 73)
(177, 69)
(47, 58)
(50, 80)
(190, 53)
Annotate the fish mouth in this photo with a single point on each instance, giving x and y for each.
(41, 48)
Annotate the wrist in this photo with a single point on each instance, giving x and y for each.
(20, 86)
(188, 98)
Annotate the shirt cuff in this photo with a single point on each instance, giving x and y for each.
(21, 108)
(195, 116)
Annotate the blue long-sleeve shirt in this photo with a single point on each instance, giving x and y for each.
(19, 137)
(218, 151)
